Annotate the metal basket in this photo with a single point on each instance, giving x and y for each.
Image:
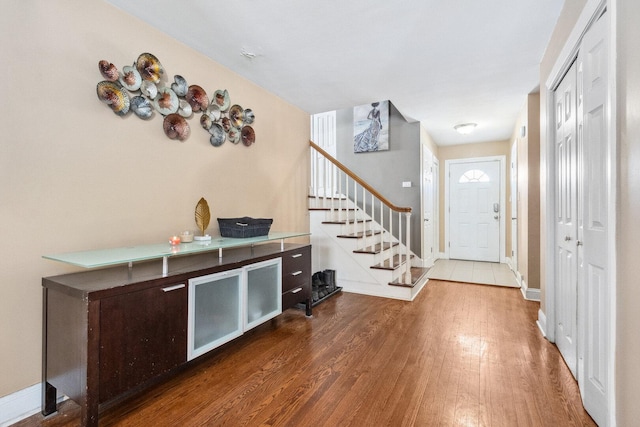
(244, 227)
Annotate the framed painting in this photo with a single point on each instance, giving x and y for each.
(371, 127)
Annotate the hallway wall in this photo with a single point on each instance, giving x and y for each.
(529, 190)
(627, 370)
(74, 176)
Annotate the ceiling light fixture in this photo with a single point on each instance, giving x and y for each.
(465, 128)
(247, 54)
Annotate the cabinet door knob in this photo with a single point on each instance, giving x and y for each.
(173, 288)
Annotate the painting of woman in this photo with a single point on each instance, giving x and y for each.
(370, 133)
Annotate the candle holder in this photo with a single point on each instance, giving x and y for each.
(186, 237)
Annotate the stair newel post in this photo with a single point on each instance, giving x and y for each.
(408, 247)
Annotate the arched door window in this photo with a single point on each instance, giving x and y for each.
(474, 175)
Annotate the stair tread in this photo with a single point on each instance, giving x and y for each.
(376, 249)
(341, 197)
(417, 275)
(328, 208)
(344, 222)
(359, 234)
(396, 262)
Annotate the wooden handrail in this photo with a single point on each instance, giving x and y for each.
(359, 180)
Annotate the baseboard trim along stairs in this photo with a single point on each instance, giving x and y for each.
(359, 258)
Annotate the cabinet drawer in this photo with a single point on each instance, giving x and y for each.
(297, 295)
(295, 279)
(296, 260)
(296, 268)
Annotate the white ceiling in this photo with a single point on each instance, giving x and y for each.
(441, 62)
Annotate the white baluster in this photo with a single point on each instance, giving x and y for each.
(355, 206)
(408, 244)
(340, 196)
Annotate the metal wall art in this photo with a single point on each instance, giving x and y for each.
(142, 88)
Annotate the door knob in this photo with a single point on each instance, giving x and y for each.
(567, 238)
(496, 216)
(578, 243)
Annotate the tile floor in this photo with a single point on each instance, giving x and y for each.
(486, 273)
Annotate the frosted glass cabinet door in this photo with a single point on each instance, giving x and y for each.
(263, 295)
(215, 313)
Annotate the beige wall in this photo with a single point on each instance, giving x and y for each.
(468, 151)
(529, 190)
(74, 176)
(628, 229)
(426, 140)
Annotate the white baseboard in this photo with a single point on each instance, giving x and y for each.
(20, 405)
(542, 323)
(530, 294)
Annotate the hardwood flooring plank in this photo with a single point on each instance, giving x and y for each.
(459, 354)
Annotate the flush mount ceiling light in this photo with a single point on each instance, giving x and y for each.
(247, 54)
(465, 128)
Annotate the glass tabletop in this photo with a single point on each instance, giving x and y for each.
(116, 256)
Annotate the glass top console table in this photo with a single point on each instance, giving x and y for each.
(128, 255)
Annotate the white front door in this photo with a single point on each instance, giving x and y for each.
(566, 218)
(428, 208)
(474, 210)
(594, 372)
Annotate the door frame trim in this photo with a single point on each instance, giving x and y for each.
(502, 159)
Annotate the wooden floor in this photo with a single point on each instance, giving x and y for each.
(459, 355)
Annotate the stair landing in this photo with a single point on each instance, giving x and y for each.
(418, 275)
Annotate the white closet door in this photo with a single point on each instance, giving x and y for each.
(566, 219)
(595, 287)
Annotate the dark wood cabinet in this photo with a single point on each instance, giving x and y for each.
(296, 278)
(142, 334)
(109, 331)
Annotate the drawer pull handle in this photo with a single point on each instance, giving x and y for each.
(173, 288)
(296, 256)
(296, 273)
(295, 291)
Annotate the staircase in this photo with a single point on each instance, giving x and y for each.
(352, 232)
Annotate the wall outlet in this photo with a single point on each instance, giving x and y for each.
(406, 184)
